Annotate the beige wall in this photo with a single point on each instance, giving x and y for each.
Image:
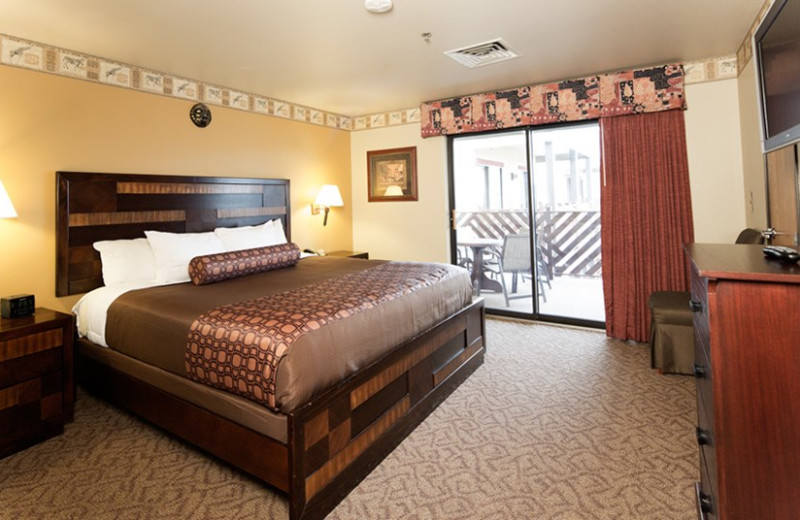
(50, 123)
(418, 230)
(752, 157)
(713, 145)
(402, 230)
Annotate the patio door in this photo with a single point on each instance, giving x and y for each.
(526, 221)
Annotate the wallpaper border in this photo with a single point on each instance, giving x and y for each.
(27, 54)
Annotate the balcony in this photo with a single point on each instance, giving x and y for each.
(568, 271)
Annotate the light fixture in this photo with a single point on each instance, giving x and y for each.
(327, 198)
(6, 207)
(378, 6)
(393, 191)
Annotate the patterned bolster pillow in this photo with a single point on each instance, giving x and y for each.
(233, 264)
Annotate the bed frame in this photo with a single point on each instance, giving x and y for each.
(337, 438)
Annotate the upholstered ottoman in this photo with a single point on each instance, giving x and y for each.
(671, 332)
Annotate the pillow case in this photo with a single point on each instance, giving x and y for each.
(249, 237)
(233, 264)
(173, 251)
(126, 260)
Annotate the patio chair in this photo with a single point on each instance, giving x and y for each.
(515, 259)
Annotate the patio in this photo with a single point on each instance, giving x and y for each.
(579, 297)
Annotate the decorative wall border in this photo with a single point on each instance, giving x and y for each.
(22, 53)
(17, 52)
(711, 69)
(745, 52)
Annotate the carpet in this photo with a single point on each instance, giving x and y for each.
(559, 424)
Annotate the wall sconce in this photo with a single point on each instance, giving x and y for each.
(327, 198)
(6, 207)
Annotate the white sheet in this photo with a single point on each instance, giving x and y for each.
(91, 310)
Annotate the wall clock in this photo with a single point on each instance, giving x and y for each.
(200, 115)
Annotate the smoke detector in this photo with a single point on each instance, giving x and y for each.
(485, 53)
(378, 6)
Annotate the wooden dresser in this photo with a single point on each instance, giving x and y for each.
(36, 378)
(747, 364)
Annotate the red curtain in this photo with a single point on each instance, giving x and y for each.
(646, 216)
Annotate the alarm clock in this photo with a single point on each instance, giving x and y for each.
(17, 305)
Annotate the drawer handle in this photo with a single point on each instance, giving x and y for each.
(699, 371)
(703, 436)
(706, 503)
(695, 306)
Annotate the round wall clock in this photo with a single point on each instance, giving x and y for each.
(200, 115)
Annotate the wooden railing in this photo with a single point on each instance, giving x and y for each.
(568, 241)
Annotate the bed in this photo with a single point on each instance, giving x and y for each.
(313, 439)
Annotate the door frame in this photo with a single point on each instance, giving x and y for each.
(534, 315)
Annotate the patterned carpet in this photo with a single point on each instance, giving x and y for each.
(559, 424)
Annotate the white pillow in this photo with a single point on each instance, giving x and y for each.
(248, 237)
(126, 261)
(174, 251)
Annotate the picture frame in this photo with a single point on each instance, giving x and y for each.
(392, 174)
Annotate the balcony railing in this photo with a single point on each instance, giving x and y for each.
(568, 242)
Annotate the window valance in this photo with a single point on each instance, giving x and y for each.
(638, 91)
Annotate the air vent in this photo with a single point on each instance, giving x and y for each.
(483, 54)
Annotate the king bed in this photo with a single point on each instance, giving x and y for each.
(304, 372)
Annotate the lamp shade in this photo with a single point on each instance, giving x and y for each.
(329, 196)
(393, 191)
(6, 207)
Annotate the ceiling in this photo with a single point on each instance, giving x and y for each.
(333, 55)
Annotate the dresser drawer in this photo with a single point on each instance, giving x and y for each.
(703, 377)
(705, 498)
(706, 440)
(700, 320)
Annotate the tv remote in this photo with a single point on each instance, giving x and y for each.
(782, 253)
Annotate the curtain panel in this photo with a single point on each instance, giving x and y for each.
(633, 92)
(646, 216)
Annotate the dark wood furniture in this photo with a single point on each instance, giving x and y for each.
(478, 245)
(36, 378)
(335, 439)
(747, 360)
(104, 206)
(349, 254)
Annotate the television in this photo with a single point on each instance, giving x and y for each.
(777, 52)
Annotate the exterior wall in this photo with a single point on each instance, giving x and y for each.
(51, 123)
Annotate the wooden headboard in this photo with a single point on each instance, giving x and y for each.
(108, 206)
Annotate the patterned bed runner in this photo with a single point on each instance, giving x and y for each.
(238, 347)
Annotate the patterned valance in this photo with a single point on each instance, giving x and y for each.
(632, 92)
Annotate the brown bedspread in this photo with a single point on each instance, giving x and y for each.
(153, 324)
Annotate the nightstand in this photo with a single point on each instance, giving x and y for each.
(37, 393)
(350, 254)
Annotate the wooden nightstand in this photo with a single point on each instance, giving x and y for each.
(37, 393)
(350, 254)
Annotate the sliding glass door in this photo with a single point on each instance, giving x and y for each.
(526, 221)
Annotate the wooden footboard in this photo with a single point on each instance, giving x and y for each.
(336, 439)
(340, 437)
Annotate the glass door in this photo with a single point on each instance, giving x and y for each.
(530, 242)
(491, 217)
(566, 190)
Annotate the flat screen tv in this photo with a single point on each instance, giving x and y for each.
(777, 50)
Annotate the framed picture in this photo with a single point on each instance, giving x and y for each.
(392, 174)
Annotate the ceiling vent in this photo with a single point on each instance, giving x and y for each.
(483, 54)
